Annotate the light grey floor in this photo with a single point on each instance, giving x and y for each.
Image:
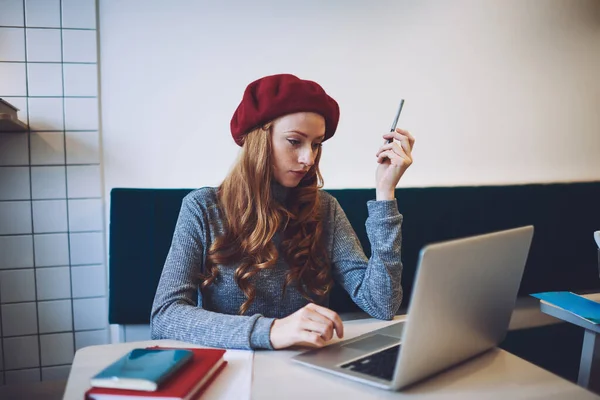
(47, 390)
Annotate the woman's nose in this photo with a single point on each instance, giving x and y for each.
(307, 157)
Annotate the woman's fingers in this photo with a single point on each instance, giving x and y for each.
(311, 338)
(399, 133)
(393, 147)
(404, 137)
(395, 152)
(311, 325)
(402, 142)
(411, 138)
(326, 316)
(388, 155)
(403, 160)
(324, 329)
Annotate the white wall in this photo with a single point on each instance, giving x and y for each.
(504, 91)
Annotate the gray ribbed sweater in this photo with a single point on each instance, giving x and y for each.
(181, 312)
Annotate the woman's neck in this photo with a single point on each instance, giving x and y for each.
(279, 192)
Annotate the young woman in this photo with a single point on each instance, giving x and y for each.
(252, 262)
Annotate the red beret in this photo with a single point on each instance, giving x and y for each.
(276, 95)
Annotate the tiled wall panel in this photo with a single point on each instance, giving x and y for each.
(52, 265)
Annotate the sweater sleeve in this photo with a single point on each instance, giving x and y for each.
(374, 284)
(175, 311)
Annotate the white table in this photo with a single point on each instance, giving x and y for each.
(495, 375)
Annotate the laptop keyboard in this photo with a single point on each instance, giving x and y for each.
(380, 365)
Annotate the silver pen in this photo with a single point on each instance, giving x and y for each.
(393, 128)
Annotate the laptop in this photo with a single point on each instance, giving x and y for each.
(464, 295)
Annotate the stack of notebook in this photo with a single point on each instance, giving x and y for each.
(158, 373)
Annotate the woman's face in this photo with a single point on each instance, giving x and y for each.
(296, 139)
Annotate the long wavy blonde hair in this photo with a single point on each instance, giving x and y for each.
(252, 217)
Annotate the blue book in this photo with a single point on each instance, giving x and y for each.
(573, 303)
(142, 369)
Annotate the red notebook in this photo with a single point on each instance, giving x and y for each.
(185, 384)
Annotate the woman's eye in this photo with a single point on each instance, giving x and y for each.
(317, 145)
(294, 142)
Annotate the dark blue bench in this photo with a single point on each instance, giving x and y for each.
(563, 254)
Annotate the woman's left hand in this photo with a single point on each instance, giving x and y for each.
(394, 159)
